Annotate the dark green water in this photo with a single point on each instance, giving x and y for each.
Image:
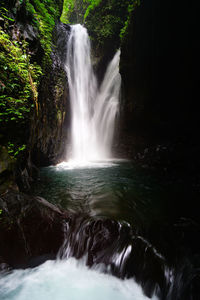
(116, 190)
(157, 211)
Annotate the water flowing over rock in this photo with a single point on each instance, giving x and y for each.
(93, 109)
(117, 248)
(36, 231)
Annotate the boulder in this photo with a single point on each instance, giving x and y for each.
(30, 228)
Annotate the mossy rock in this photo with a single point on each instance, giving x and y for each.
(6, 162)
(6, 170)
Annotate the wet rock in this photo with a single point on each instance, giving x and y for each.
(52, 124)
(25, 173)
(6, 170)
(33, 230)
(155, 111)
(4, 267)
(29, 227)
(6, 163)
(116, 247)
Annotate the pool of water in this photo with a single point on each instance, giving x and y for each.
(114, 189)
(109, 189)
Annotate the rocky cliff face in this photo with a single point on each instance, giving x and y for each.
(158, 60)
(52, 122)
(40, 131)
(31, 228)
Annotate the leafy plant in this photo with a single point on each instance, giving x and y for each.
(91, 6)
(14, 149)
(43, 15)
(18, 86)
(68, 6)
(19, 75)
(131, 7)
(4, 14)
(104, 19)
(18, 80)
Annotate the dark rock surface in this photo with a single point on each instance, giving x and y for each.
(16, 174)
(52, 123)
(118, 247)
(170, 269)
(30, 227)
(158, 65)
(6, 170)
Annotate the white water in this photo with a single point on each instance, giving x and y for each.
(93, 109)
(73, 164)
(66, 280)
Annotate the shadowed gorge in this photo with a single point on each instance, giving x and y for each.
(99, 150)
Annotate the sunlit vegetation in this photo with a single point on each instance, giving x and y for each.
(43, 15)
(133, 4)
(18, 85)
(68, 6)
(104, 19)
(91, 6)
(19, 73)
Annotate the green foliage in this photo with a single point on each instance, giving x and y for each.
(131, 7)
(74, 11)
(43, 15)
(4, 14)
(105, 20)
(18, 90)
(18, 80)
(19, 76)
(91, 6)
(68, 6)
(14, 150)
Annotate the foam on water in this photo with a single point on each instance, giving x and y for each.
(74, 164)
(66, 280)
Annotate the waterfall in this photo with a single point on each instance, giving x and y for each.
(93, 109)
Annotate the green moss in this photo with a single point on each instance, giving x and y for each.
(18, 80)
(14, 150)
(19, 76)
(131, 7)
(68, 6)
(105, 19)
(91, 6)
(4, 14)
(43, 15)
(59, 115)
(18, 91)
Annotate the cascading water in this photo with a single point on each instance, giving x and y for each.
(93, 109)
(70, 280)
(101, 203)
